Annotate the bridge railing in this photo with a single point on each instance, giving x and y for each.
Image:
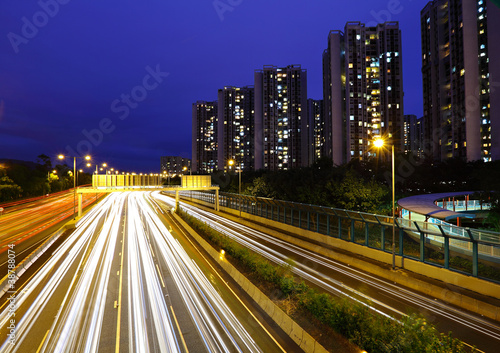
(471, 251)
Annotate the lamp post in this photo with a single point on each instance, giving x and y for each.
(232, 162)
(94, 180)
(78, 175)
(62, 156)
(379, 143)
(48, 177)
(191, 181)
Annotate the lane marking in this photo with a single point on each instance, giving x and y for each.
(179, 329)
(43, 341)
(161, 278)
(224, 282)
(119, 316)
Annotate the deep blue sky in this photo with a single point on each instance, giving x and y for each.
(61, 79)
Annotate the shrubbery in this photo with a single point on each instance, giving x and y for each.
(371, 332)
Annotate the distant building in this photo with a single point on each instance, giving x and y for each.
(204, 137)
(281, 129)
(174, 164)
(316, 129)
(413, 135)
(460, 61)
(362, 90)
(236, 127)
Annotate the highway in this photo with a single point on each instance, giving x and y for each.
(125, 281)
(26, 225)
(381, 296)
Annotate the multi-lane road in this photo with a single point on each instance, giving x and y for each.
(128, 280)
(125, 281)
(26, 224)
(381, 296)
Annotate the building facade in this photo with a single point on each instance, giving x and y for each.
(362, 90)
(461, 79)
(281, 136)
(204, 137)
(316, 128)
(413, 135)
(236, 127)
(174, 164)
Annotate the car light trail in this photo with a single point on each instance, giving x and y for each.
(254, 239)
(79, 274)
(199, 294)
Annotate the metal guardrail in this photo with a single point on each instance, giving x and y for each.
(471, 251)
(460, 205)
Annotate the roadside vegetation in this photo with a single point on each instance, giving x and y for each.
(19, 179)
(355, 322)
(365, 186)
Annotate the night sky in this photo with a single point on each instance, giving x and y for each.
(119, 77)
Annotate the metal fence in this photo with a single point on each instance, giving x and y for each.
(471, 251)
(462, 205)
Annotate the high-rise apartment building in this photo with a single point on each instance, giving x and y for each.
(174, 164)
(413, 135)
(461, 79)
(281, 136)
(236, 127)
(316, 129)
(362, 90)
(204, 137)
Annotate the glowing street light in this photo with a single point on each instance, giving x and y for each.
(232, 162)
(87, 158)
(379, 143)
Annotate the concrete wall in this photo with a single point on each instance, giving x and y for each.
(290, 327)
(326, 245)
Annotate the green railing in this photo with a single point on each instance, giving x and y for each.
(470, 251)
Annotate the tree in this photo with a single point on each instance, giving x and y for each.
(8, 189)
(44, 163)
(260, 188)
(353, 193)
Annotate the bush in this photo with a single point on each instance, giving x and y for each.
(355, 321)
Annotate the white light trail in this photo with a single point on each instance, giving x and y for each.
(79, 272)
(241, 235)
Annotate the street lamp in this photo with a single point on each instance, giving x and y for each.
(78, 176)
(48, 177)
(379, 143)
(62, 156)
(232, 162)
(165, 174)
